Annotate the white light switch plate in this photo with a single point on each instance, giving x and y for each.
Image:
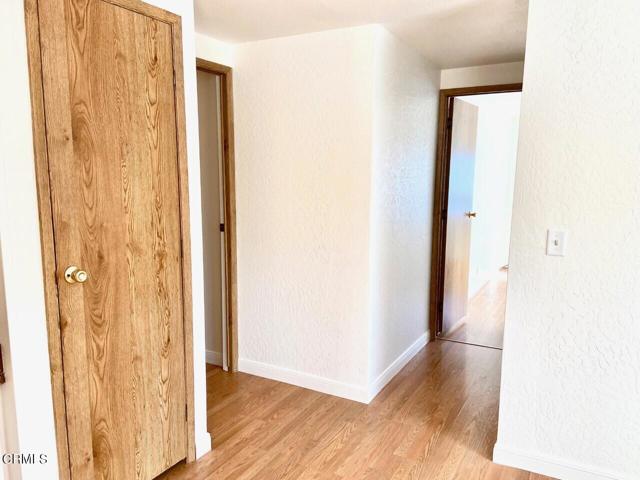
(556, 242)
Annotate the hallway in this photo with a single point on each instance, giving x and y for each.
(436, 420)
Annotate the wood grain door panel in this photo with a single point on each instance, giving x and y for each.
(110, 110)
(461, 175)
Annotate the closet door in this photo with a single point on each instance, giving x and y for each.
(117, 181)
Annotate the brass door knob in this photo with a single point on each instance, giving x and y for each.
(471, 214)
(74, 275)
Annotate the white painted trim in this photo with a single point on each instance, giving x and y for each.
(332, 387)
(306, 380)
(551, 466)
(214, 358)
(398, 364)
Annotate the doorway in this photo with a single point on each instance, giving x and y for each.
(475, 175)
(215, 118)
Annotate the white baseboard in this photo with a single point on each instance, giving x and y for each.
(332, 387)
(398, 364)
(305, 380)
(551, 466)
(214, 358)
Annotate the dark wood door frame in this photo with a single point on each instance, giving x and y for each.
(441, 193)
(228, 162)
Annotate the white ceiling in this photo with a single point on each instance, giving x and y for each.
(450, 33)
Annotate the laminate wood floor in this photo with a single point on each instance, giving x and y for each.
(484, 322)
(435, 420)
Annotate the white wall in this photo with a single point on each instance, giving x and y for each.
(497, 74)
(20, 244)
(570, 377)
(335, 143)
(214, 50)
(27, 401)
(404, 132)
(303, 116)
(496, 149)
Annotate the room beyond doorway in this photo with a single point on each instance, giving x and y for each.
(472, 213)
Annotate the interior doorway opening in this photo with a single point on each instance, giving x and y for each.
(472, 213)
(215, 117)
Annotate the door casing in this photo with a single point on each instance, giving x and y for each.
(46, 220)
(441, 194)
(228, 163)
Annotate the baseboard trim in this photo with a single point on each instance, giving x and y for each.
(551, 466)
(213, 358)
(332, 387)
(304, 380)
(398, 364)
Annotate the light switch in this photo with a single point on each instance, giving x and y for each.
(556, 242)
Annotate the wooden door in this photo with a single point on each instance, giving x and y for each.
(460, 203)
(117, 178)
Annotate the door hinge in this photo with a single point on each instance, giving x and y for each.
(222, 227)
(186, 412)
(449, 123)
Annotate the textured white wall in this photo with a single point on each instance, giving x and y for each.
(571, 369)
(496, 149)
(214, 50)
(20, 243)
(303, 154)
(497, 74)
(404, 134)
(335, 143)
